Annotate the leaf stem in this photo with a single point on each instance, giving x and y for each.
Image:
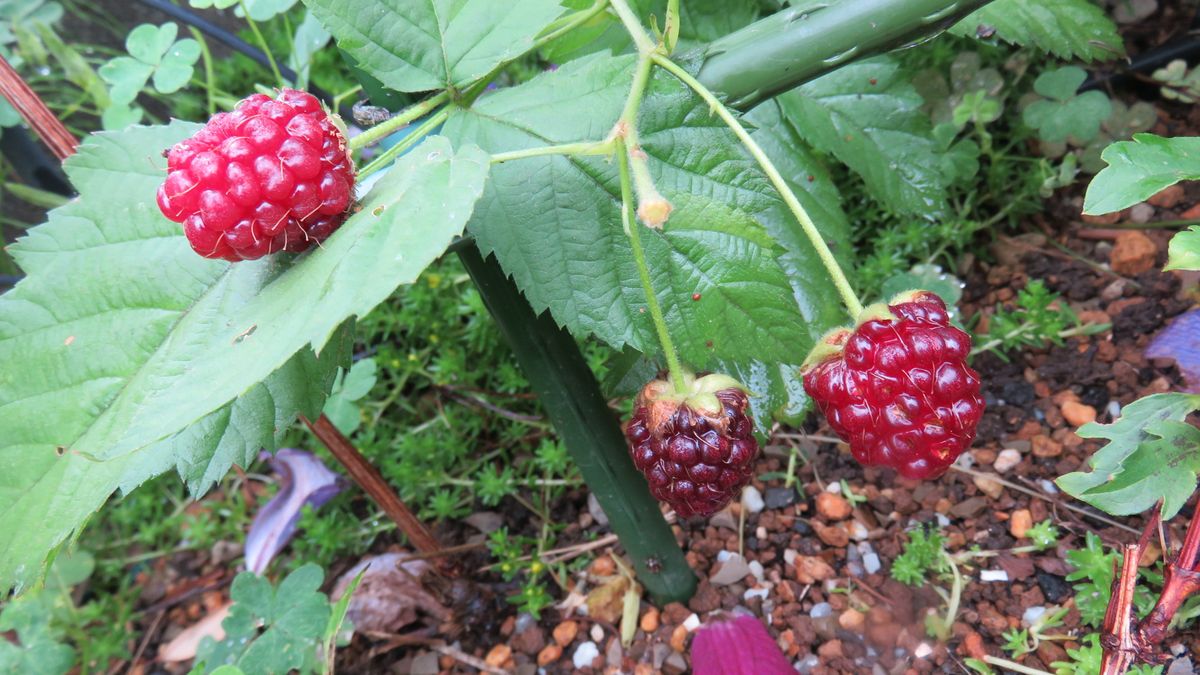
(639, 256)
(398, 121)
(570, 23)
(853, 304)
(208, 69)
(653, 208)
(640, 38)
(262, 42)
(586, 148)
(414, 137)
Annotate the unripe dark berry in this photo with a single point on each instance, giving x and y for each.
(897, 388)
(273, 175)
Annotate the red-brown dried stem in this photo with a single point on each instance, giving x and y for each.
(35, 113)
(373, 483)
(1119, 637)
(1180, 580)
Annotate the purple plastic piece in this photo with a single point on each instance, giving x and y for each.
(737, 645)
(1181, 341)
(303, 479)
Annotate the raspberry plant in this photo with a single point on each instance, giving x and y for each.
(663, 192)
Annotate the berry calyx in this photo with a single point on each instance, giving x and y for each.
(695, 447)
(273, 175)
(897, 387)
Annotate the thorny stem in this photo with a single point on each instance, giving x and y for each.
(639, 256)
(399, 121)
(640, 38)
(416, 136)
(262, 42)
(810, 229)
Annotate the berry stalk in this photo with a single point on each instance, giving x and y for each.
(853, 304)
(639, 256)
(399, 121)
(416, 136)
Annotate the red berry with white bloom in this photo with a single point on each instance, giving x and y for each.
(273, 175)
(897, 388)
(696, 447)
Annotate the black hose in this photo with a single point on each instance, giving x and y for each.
(230, 40)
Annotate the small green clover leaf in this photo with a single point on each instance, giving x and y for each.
(976, 107)
(153, 51)
(1062, 115)
(212, 4)
(1180, 84)
(16, 12)
(263, 10)
(119, 116)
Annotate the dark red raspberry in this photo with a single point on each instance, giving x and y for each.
(696, 448)
(273, 175)
(898, 388)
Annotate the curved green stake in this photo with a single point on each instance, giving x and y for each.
(809, 39)
(551, 360)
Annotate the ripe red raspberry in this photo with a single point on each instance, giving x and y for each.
(273, 175)
(697, 449)
(898, 388)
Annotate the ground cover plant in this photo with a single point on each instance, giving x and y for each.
(565, 260)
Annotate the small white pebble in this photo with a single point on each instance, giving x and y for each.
(943, 521)
(834, 488)
(597, 633)
(723, 556)
(923, 650)
(757, 570)
(821, 609)
(692, 622)
(760, 593)
(760, 532)
(790, 555)
(1006, 460)
(752, 499)
(965, 460)
(1048, 486)
(858, 531)
(1113, 409)
(871, 563)
(1032, 614)
(584, 655)
(993, 575)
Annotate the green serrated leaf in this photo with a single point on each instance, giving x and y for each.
(1066, 28)
(420, 45)
(1183, 253)
(1138, 426)
(145, 344)
(1140, 168)
(554, 222)
(1163, 468)
(107, 281)
(868, 116)
(707, 20)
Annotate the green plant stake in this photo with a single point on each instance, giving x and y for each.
(551, 360)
